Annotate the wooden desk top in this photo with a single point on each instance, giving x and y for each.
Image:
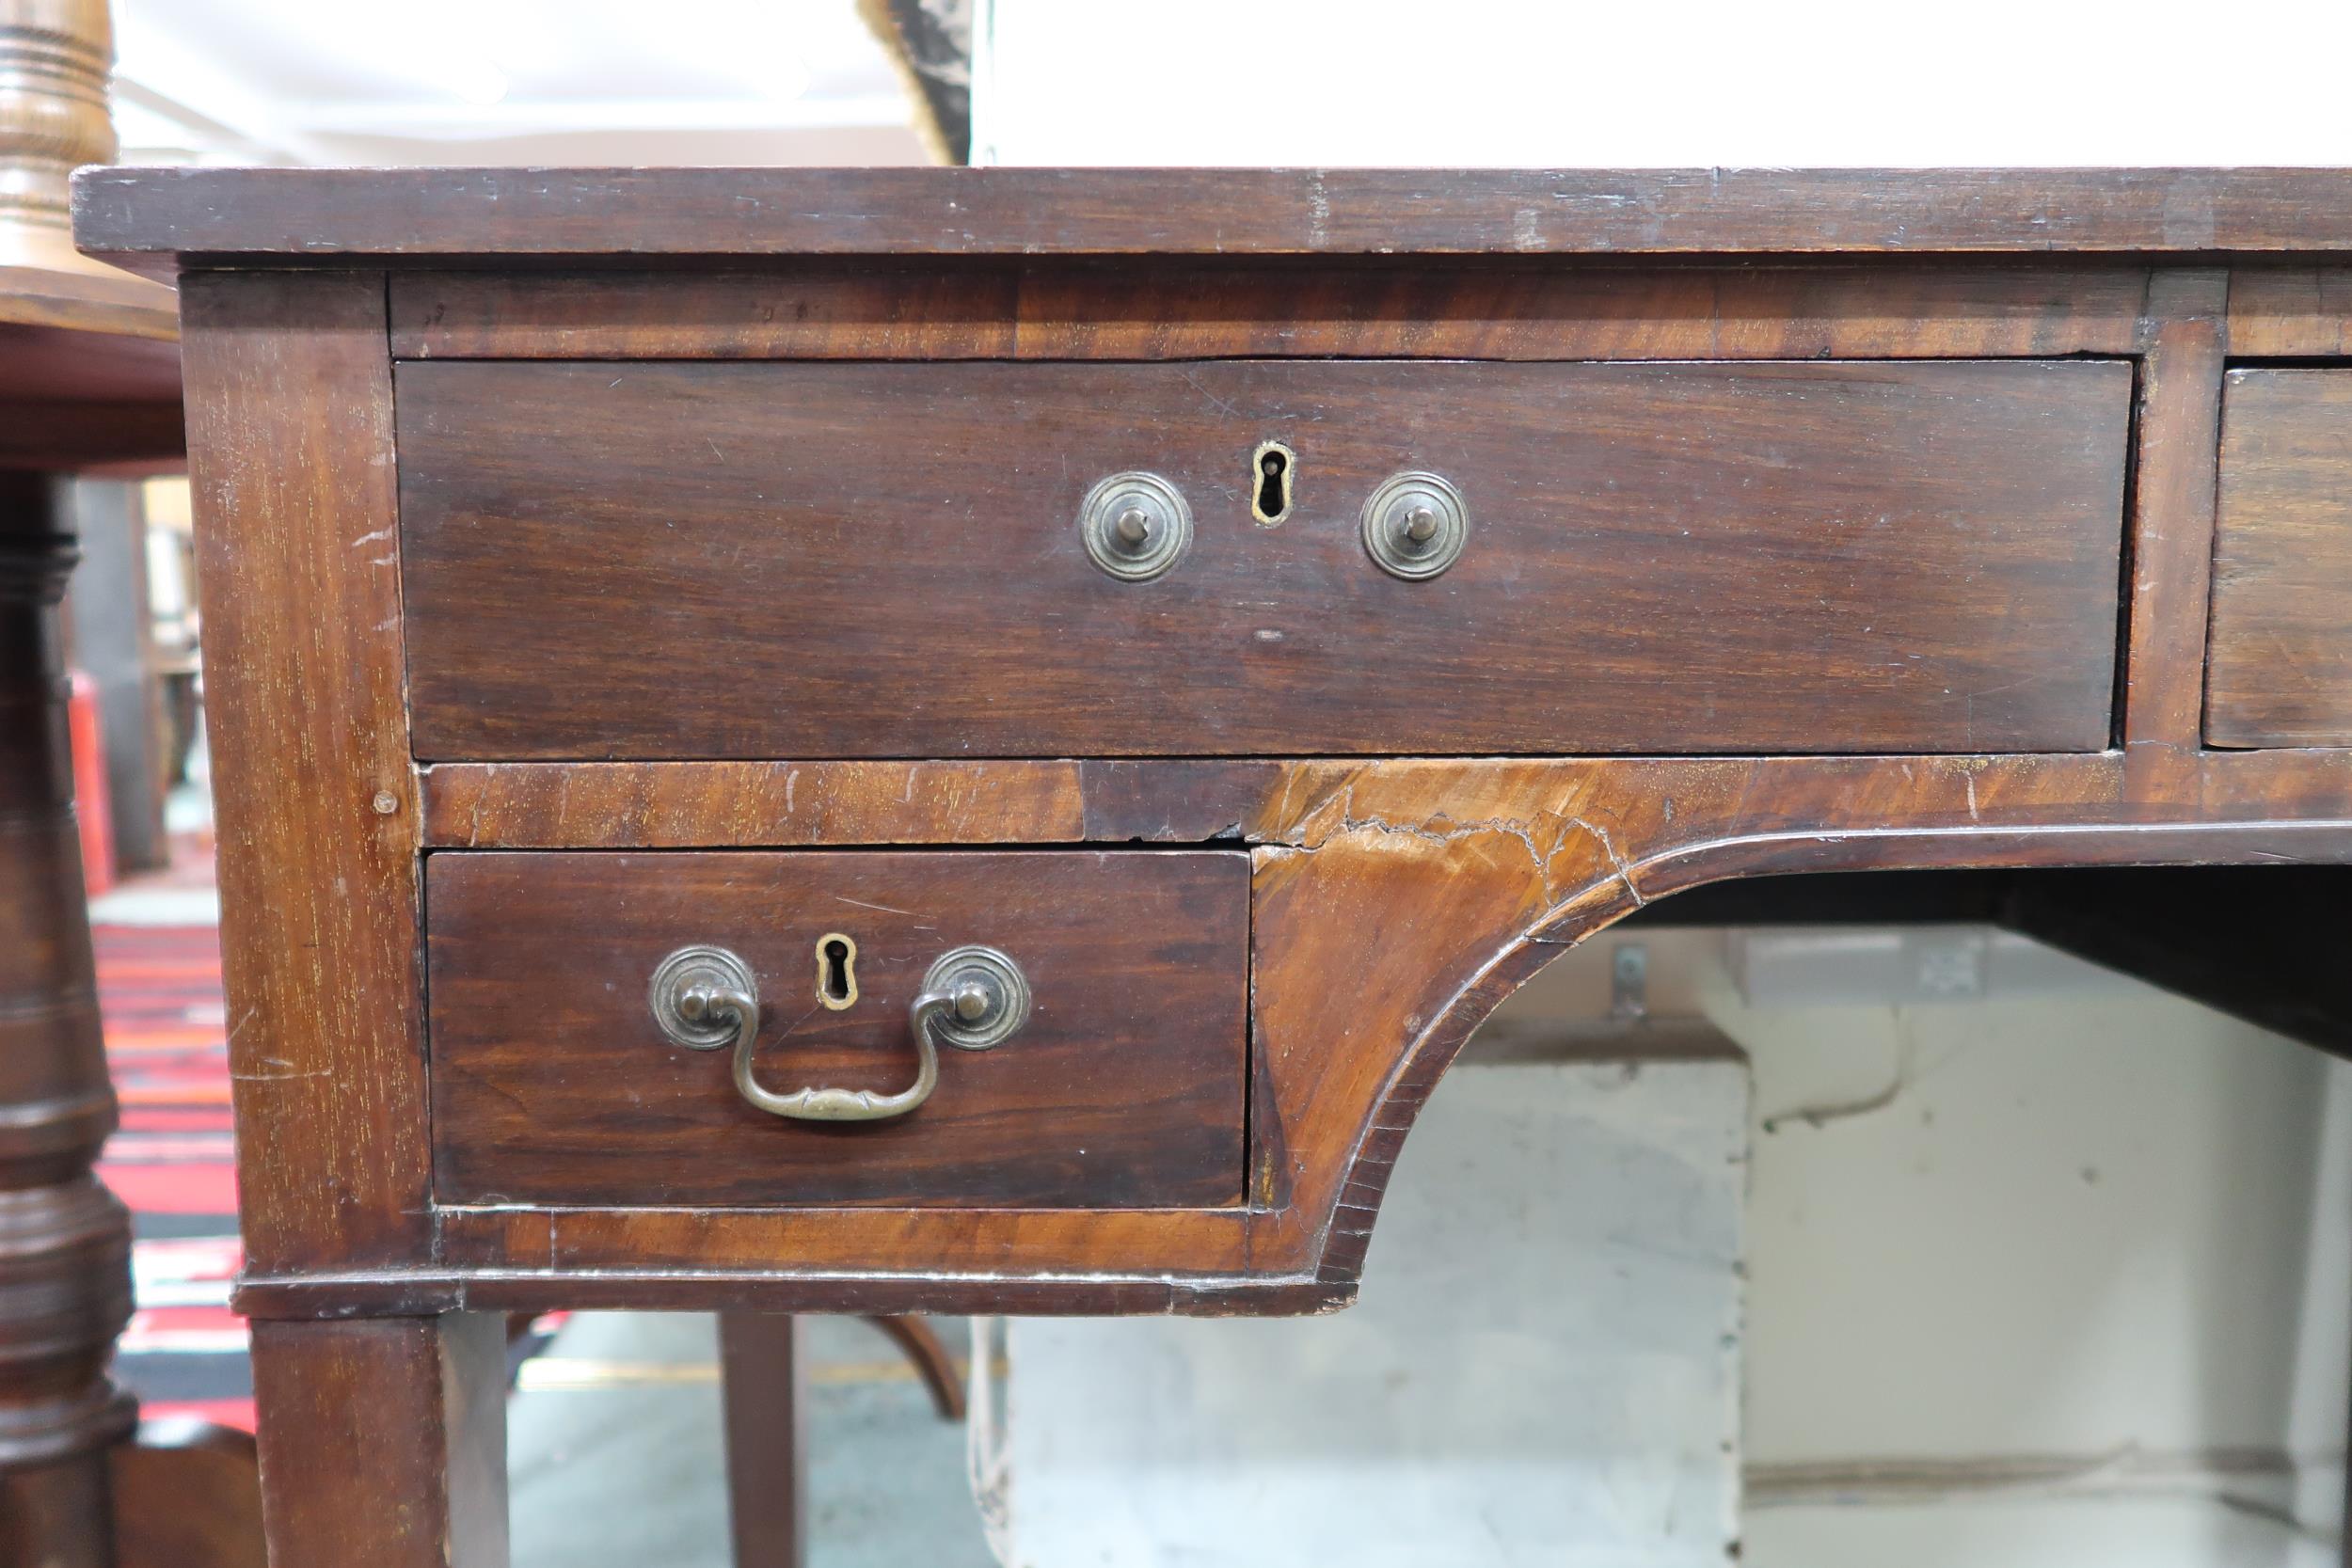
(152, 219)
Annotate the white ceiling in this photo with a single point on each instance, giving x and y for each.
(591, 82)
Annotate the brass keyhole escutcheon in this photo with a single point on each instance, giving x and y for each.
(836, 972)
(1274, 479)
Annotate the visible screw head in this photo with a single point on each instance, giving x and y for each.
(385, 803)
(972, 1002)
(694, 1005)
(1421, 524)
(1133, 526)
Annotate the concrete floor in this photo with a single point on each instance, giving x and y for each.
(615, 1460)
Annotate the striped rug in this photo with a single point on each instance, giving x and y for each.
(159, 990)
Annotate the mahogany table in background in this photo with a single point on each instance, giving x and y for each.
(89, 376)
(838, 568)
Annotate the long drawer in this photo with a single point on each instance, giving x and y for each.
(808, 561)
(563, 1070)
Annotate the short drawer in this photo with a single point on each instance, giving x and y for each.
(2281, 666)
(554, 1083)
(663, 559)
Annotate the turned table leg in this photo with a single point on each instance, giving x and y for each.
(65, 1242)
(383, 1441)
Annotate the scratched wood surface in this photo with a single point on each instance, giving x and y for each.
(1394, 900)
(290, 452)
(1483, 870)
(1740, 446)
(731, 561)
(150, 218)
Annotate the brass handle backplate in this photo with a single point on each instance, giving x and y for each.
(706, 998)
(1415, 525)
(1134, 526)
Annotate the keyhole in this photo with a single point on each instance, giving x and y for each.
(1270, 486)
(1270, 494)
(837, 971)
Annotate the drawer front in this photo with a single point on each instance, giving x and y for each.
(809, 561)
(2280, 672)
(553, 1082)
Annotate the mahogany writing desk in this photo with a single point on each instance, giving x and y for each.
(958, 739)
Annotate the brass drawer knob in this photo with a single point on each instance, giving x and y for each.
(1135, 526)
(1416, 526)
(705, 998)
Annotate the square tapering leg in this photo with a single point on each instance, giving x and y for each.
(383, 1441)
(767, 1434)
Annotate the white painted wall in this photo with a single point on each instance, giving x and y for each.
(1561, 84)
(2076, 1294)
(439, 82)
(1543, 1367)
(2075, 1282)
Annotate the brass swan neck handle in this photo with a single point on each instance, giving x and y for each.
(974, 997)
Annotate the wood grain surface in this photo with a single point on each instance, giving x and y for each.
(552, 1083)
(383, 1442)
(2281, 650)
(1396, 902)
(148, 218)
(544, 805)
(2281, 311)
(763, 1399)
(817, 309)
(724, 560)
(686, 685)
(1229, 308)
(2187, 343)
(289, 452)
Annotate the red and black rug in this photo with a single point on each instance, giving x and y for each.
(172, 1162)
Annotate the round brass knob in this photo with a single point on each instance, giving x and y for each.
(1415, 525)
(972, 1001)
(1134, 526)
(988, 997)
(686, 994)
